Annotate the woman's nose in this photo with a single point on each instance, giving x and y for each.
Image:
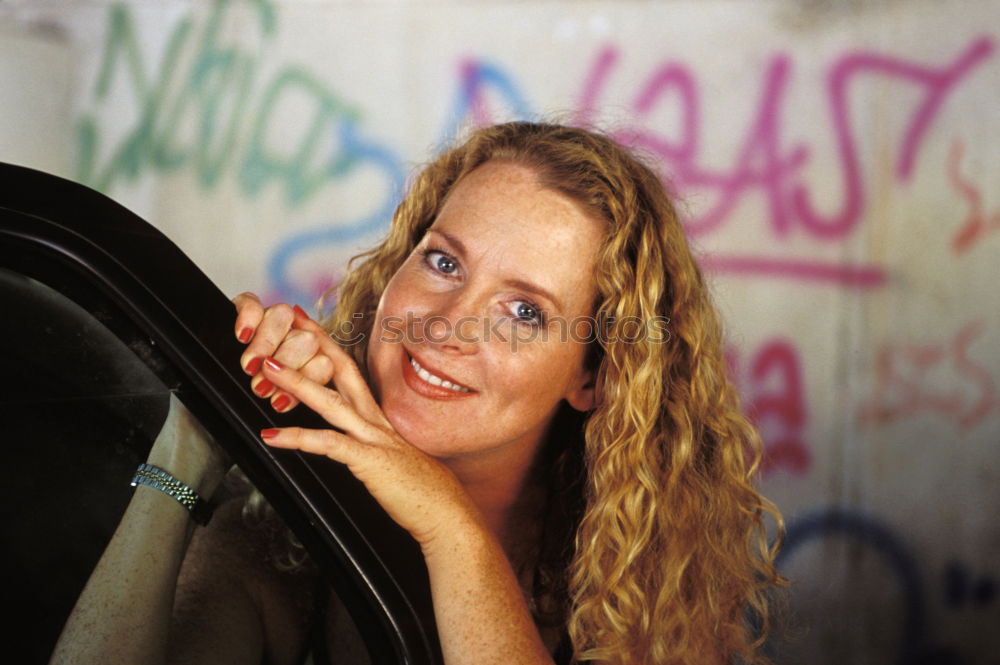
(455, 325)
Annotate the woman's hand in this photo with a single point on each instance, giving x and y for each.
(292, 360)
(478, 604)
(419, 493)
(285, 333)
(480, 609)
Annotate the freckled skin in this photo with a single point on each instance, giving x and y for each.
(511, 229)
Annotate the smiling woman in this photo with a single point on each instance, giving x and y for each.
(575, 498)
(499, 233)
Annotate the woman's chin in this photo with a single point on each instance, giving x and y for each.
(417, 431)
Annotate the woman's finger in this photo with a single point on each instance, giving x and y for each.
(345, 373)
(249, 313)
(268, 335)
(319, 369)
(328, 442)
(300, 351)
(329, 404)
(418, 492)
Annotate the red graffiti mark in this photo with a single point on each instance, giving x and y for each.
(937, 84)
(599, 71)
(774, 395)
(471, 81)
(486, 93)
(799, 270)
(760, 163)
(977, 224)
(320, 289)
(763, 165)
(914, 379)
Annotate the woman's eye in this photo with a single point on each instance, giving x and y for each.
(440, 261)
(528, 313)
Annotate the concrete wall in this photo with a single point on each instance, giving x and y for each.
(840, 171)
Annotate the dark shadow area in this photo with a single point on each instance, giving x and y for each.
(81, 411)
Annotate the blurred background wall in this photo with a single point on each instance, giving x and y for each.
(838, 164)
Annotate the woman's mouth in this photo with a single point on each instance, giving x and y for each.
(429, 384)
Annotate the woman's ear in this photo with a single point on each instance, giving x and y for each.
(581, 394)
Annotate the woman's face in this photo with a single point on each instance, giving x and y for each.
(485, 303)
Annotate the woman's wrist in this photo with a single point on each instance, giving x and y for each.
(157, 478)
(187, 452)
(478, 603)
(465, 535)
(199, 472)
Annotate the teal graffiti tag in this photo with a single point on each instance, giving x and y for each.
(200, 111)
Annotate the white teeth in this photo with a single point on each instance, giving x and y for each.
(436, 380)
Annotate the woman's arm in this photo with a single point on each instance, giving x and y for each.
(479, 606)
(141, 605)
(124, 612)
(480, 609)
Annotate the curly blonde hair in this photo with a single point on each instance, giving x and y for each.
(668, 560)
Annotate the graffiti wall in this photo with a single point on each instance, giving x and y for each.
(838, 165)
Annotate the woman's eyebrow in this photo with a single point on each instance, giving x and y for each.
(452, 240)
(531, 287)
(519, 284)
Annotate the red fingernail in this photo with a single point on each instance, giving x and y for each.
(269, 433)
(254, 365)
(245, 334)
(263, 388)
(281, 403)
(273, 364)
(299, 311)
